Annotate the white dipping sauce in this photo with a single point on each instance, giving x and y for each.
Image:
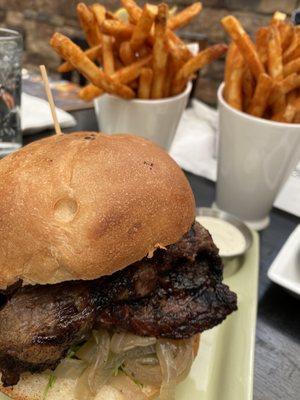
(226, 236)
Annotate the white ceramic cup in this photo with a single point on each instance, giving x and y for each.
(156, 120)
(255, 157)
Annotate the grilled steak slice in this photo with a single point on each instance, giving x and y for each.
(38, 324)
(188, 300)
(175, 294)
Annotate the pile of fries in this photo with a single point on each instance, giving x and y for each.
(263, 79)
(140, 56)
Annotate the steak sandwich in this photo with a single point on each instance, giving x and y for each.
(106, 279)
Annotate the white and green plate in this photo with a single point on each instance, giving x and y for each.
(223, 369)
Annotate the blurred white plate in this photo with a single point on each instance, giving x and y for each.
(285, 269)
(36, 115)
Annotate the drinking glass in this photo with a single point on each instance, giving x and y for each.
(11, 47)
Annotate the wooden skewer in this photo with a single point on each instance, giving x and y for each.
(50, 100)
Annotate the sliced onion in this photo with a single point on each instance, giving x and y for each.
(175, 359)
(70, 369)
(146, 360)
(115, 361)
(142, 365)
(121, 342)
(86, 389)
(96, 377)
(95, 352)
(82, 389)
(140, 352)
(98, 374)
(145, 370)
(87, 351)
(127, 387)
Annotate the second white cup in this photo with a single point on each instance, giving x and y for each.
(255, 157)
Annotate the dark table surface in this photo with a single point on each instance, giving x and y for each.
(277, 353)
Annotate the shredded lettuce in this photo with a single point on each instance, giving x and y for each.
(71, 354)
(49, 386)
(52, 378)
(116, 370)
(121, 369)
(73, 350)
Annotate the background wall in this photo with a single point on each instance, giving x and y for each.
(38, 19)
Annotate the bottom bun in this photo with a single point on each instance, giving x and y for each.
(32, 387)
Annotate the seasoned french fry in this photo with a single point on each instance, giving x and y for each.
(126, 54)
(135, 13)
(144, 51)
(134, 85)
(292, 97)
(277, 99)
(296, 103)
(72, 53)
(290, 83)
(229, 65)
(118, 63)
(274, 94)
(293, 51)
(291, 67)
(111, 15)
(107, 55)
(142, 28)
(233, 78)
(286, 115)
(177, 54)
(290, 113)
(133, 9)
(168, 83)
(182, 18)
(128, 74)
(248, 86)
(275, 67)
(202, 59)
(177, 47)
(145, 83)
(286, 31)
(262, 92)
(99, 13)
(89, 92)
(274, 54)
(117, 28)
(89, 25)
(296, 53)
(160, 52)
(123, 75)
(173, 65)
(244, 44)
(92, 54)
(280, 105)
(262, 36)
(117, 43)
